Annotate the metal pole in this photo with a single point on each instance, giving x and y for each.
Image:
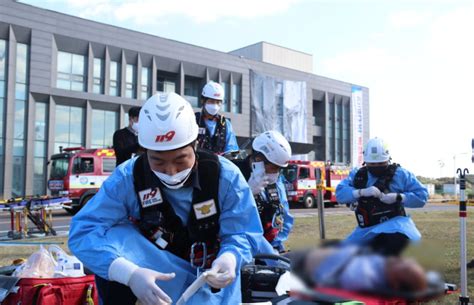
(463, 298)
(320, 202)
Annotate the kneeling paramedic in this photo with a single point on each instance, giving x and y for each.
(379, 193)
(215, 130)
(270, 153)
(165, 216)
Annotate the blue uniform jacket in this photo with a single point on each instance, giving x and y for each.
(403, 182)
(230, 139)
(101, 231)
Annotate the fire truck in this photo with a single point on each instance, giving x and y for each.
(301, 181)
(78, 173)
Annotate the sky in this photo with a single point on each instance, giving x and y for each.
(415, 56)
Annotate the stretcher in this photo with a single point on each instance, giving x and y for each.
(259, 281)
(37, 210)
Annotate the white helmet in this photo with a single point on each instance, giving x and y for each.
(166, 122)
(376, 151)
(213, 91)
(274, 147)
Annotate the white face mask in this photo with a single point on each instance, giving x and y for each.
(212, 109)
(135, 126)
(272, 178)
(176, 181)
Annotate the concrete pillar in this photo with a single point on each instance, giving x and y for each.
(153, 75)
(90, 70)
(107, 71)
(181, 79)
(88, 124)
(9, 115)
(30, 145)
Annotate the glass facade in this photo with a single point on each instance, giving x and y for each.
(225, 102)
(69, 127)
(114, 84)
(40, 158)
(131, 81)
(236, 98)
(3, 94)
(145, 86)
(71, 70)
(192, 90)
(19, 125)
(98, 83)
(104, 124)
(166, 82)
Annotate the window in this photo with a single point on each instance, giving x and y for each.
(166, 82)
(225, 102)
(69, 130)
(98, 84)
(19, 125)
(83, 165)
(192, 88)
(39, 174)
(3, 86)
(71, 71)
(304, 173)
(145, 87)
(131, 81)
(108, 165)
(236, 98)
(104, 124)
(317, 173)
(59, 168)
(114, 84)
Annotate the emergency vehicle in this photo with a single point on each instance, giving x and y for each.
(78, 173)
(301, 185)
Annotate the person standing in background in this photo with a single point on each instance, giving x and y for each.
(126, 139)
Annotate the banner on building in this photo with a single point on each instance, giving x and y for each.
(280, 105)
(358, 127)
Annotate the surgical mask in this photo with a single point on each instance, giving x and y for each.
(272, 178)
(212, 109)
(176, 181)
(377, 171)
(135, 126)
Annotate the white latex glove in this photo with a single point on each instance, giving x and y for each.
(390, 198)
(142, 281)
(371, 191)
(257, 183)
(222, 272)
(143, 285)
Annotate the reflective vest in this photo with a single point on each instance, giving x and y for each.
(160, 224)
(271, 212)
(371, 211)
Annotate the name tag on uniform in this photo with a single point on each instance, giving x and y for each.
(150, 197)
(205, 209)
(202, 130)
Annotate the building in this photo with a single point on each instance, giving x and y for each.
(66, 81)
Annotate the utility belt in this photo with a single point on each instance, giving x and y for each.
(371, 212)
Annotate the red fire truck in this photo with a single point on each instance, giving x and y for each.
(301, 182)
(78, 173)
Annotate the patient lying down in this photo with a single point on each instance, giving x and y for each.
(350, 268)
